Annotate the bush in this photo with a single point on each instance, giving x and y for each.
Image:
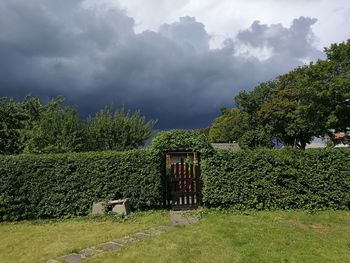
(61, 185)
(117, 130)
(278, 179)
(181, 140)
(57, 131)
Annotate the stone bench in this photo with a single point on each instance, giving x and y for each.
(120, 206)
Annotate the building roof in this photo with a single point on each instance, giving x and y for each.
(340, 136)
(226, 146)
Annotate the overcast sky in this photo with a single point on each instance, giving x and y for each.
(179, 61)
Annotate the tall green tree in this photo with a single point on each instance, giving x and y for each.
(35, 127)
(117, 130)
(251, 102)
(307, 102)
(17, 118)
(337, 86)
(12, 121)
(58, 130)
(230, 126)
(287, 113)
(257, 137)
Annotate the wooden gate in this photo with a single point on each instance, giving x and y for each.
(183, 186)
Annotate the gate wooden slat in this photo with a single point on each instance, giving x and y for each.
(172, 185)
(183, 187)
(192, 183)
(177, 183)
(198, 186)
(187, 190)
(181, 183)
(195, 184)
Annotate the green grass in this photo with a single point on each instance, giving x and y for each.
(279, 236)
(36, 241)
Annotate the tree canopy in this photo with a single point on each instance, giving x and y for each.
(31, 126)
(230, 126)
(307, 102)
(117, 130)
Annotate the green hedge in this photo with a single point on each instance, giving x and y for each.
(61, 185)
(181, 140)
(53, 186)
(278, 179)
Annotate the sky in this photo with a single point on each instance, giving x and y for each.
(178, 61)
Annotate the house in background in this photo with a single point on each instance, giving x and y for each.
(342, 140)
(226, 146)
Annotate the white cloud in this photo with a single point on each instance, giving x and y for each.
(225, 18)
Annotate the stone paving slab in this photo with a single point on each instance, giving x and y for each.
(140, 236)
(88, 252)
(177, 218)
(180, 218)
(72, 258)
(110, 246)
(125, 240)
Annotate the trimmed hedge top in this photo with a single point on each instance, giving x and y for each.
(181, 140)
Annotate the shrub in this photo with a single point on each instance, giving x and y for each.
(117, 130)
(278, 179)
(61, 185)
(181, 140)
(57, 131)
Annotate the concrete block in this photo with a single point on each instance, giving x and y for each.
(88, 252)
(111, 246)
(121, 207)
(98, 208)
(72, 258)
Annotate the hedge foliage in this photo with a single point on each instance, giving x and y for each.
(61, 185)
(278, 179)
(181, 140)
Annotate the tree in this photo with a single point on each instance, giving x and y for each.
(17, 119)
(256, 138)
(204, 131)
(230, 126)
(117, 130)
(58, 130)
(307, 102)
(12, 118)
(337, 88)
(250, 102)
(34, 127)
(287, 113)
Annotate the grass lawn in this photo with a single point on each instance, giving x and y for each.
(279, 236)
(35, 241)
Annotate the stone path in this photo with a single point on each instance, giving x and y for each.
(178, 218)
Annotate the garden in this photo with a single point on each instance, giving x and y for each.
(260, 205)
(220, 236)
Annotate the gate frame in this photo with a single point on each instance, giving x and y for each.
(167, 193)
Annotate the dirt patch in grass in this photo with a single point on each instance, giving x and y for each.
(318, 228)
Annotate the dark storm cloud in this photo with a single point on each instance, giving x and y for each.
(94, 58)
